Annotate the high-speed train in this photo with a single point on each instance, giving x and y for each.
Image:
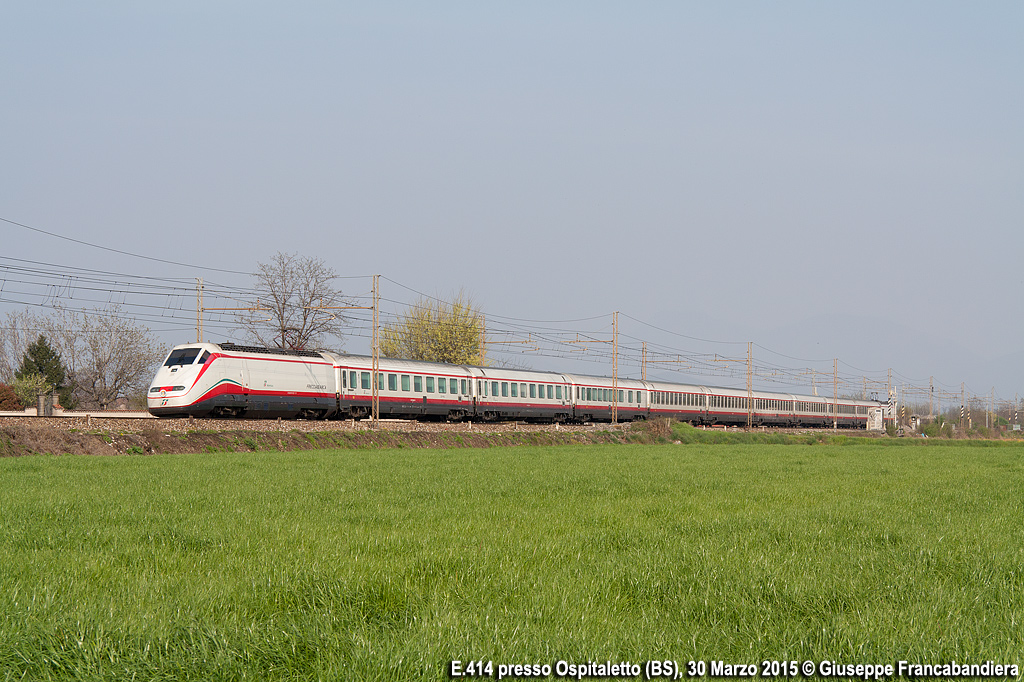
(228, 380)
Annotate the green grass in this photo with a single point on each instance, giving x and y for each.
(387, 564)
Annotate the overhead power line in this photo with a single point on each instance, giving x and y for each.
(123, 253)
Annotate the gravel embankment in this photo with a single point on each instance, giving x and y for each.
(114, 425)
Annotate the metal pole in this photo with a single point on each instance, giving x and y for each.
(835, 393)
(199, 309)
(375, 415)
(931, 395)
(750, 384)
(615, 367)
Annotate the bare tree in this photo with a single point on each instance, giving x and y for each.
(297, 304)
(19, 329)
(108, 355)
(114, 358)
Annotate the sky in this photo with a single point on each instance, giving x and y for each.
(825, 180)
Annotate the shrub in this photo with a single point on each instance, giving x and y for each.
(30, 386)
(9, 400)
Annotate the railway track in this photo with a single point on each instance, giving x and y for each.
(136, 424)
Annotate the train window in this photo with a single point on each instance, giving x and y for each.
(629, 396)
(464, 392)
(406, 382)
(620, 396)
(504, 389)
(352, 379)
(344, 379)
(494, 389)
(417, 384)
(364, 380)
(551, 392)
(453, 386)
(392, 382)
(430, 384)
(204, 357)
(182, 356)
(380, 381)
(589, 393)
(558, 392)
(533, 390)
(515, 390)
(441, 381)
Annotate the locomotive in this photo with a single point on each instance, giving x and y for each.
(229, 380)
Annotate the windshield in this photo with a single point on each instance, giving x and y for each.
(182, 356)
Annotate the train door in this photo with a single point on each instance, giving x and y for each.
(243, 376)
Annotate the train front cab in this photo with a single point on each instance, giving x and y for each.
(174, 391)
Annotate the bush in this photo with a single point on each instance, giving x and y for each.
(30, 386)
(9, 400)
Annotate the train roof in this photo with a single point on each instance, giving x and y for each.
(236, 348)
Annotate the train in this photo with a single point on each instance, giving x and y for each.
(235, 381)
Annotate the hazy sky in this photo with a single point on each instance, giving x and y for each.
(824, 179)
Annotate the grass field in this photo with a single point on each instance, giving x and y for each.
(387, 564)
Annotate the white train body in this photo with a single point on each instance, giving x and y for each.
(225, 380)
(204, 379)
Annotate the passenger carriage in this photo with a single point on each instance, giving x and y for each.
(595, 397)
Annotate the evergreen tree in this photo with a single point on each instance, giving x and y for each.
(42, 360)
